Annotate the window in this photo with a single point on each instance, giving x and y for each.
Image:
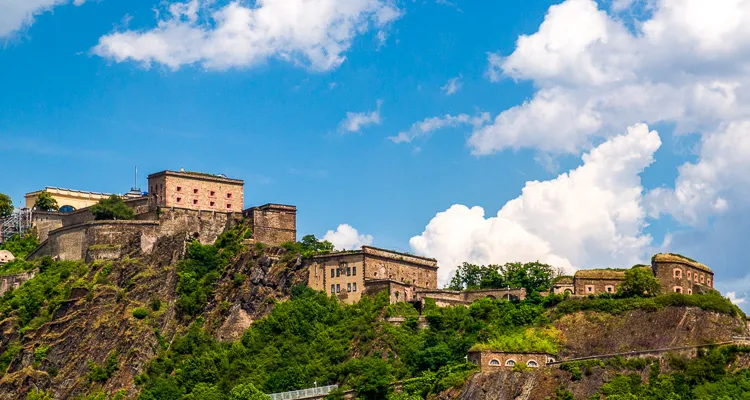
(689, 276)
(677, 273)
(354, 271)
(610, 289)
(229, 195)
(179, 199)
(703, 277)
(195, 191)
(212, 204)
(690, 291)
(677, 289)
(333, 273)
(510, 363)
(550, 360)
(179, 188)
(338, 288)
(532, 364)
(195, 201)
(212, 194)
(229, 206)
(495, 362)
(589, 288)
(348, 287)
(348, 271)
(708, 282)
(333, 288)
(354, 287)
(338, 272)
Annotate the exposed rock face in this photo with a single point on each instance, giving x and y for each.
(97, 320)
(589, 333)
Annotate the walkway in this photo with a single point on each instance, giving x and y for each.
(311, 393)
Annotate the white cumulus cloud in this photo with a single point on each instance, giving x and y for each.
(589, 217)
(345, 237)
(685, 63)
(732, 296)
(313, 33)
(15, 15)
(355, 121)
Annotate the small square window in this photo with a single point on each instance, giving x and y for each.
(179, 188)
(195, 202)
(195, 191)
(212, 193)
(229, 195)
(179, 199)
(213, 204)
(229, 206)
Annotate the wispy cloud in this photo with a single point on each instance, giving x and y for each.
(453, 86)
(354, 122)
(429, 125)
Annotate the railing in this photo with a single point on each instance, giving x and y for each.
(304, 393)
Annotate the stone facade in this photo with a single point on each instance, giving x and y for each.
(348, 274)
(195, 191)
(496, 360)
(597, 281)
(564, 285)
(681, 275)
(445, 298)
(98, 240)
(8, 282)
(273, 224)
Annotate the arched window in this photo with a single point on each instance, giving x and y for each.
(568, 291)
(677, 289)
(677, 273)
(708, 282)
(703, 278)
(690, 291)
(67, 209)
(532, 364)
(495, 362)
(550, 360)
(690, 276)
(510, 363)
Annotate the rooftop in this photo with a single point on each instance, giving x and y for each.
(375, 250)
(57, 190)
(678, 258)
(197, 175)
(608, 273)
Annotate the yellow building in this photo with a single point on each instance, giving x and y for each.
(68, 199)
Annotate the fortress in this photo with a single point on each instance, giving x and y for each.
(202, 206)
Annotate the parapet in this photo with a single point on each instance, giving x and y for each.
(197, 175)
(398, 256)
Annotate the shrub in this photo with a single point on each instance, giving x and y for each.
(155, 304)
(140, 313)
(112, 208)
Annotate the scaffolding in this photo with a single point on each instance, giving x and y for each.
(17, 223)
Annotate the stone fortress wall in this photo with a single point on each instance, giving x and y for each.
(13, 281)
(273, 223)
(496, 360)
(196, 191)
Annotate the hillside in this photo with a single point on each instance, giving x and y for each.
(192, 321)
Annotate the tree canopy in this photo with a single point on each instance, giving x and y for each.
(6, 205)
(639, 282)
(534, 276)
(112, 208)
(45, 202)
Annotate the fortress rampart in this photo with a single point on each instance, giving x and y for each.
(8, 282)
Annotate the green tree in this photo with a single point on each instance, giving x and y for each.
(535, 277)
(371, 378)
(639, 282)
(6, 205)
(112, 208)
(45, 202)
(247, 391)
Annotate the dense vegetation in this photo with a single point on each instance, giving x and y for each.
(6, 205)
(20, 247)
(535, 277)
(112, 208)
(705, 377)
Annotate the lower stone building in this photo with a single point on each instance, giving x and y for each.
(489, 360)
(675, 273)
(349, 274)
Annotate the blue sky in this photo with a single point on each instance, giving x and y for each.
(86, 95)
